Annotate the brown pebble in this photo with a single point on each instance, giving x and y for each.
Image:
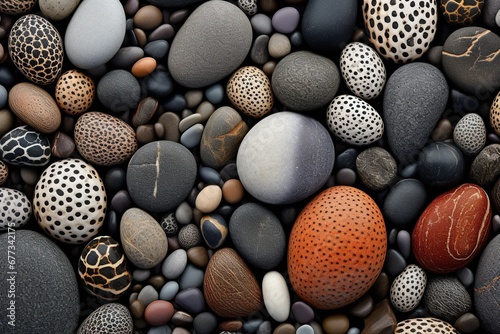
(381, 287)
(62, 145)
(336, 324)
(381, 320)
(165, 31)
(148, 17)
(4, 172)
(2, 53)
(137, 287)
(170, 122)
(179, 16)
(141, 37)
(157, 281)
(197, 215)
(198, 256)
(181, 318)
(467, 323)
(173, 243)
(442, 131)
(137, 309)
(145, 111)
(29, 175)
(143, 67)
(145, 134)
(133, 296)
(233, 191)
(193, 98)
(159, 130)
(140, 324)
(68, 124)
(269, 67)
(268, 6)
(279, 45)
(284, 329)
(231, 325)
(75, 92)
(158, 313)
(7, 121)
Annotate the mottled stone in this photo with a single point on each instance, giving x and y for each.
(381, 320)
(485, 169)
(376, 168)
(446, 298)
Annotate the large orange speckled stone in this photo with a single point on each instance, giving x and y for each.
(337, 247)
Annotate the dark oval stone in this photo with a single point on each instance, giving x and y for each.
(158, 84)
(205, 323)
(346, 159)
(191, 300)
(446, 298)
(441, 164)
(119, 91)
(376, 168)
(405, 202)
(175, 103)
(485, 168)
(127, 56)
(157, 49)
(115, 180)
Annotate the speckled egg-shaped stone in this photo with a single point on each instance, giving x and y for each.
(400, 30)
(354, 121)
(70, 201)
(408, 288)
(461, 12)
(495, 114)
(36, 48)
(103, 268)
(103, 139)
(470, 134)
(109, 318)
(363, 70)
(15, 209)
(340, 233)
(424, 325)
(4, 172)
(249, 89)
(75, 92)
(16, 7)
(24, 147)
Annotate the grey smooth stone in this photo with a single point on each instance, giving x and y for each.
(392, 237)
(184, 213)
(409, 170)
(264, 328)
(346, 177)
(346, 159)
(95, 33)
(305, 329)
(258, 235)
(446, 298)
(296, 39)
(119, 91)
(209, 175)
(467, 323)
(126, 57)
(404, 243)
(158, 84)
(251, 325)
(205, 323)
(211, 44)
(296, 73)
(157, 49)
(189, 121)
(495, 224)
(192, 277)
(160, 330)
(175, 103)
(261, 24)
(160, 175)
(215, 93)
(170, 122)
(302, 312)
(147, 295)
(441, 164)
(405, 202)
(163, 32)
(353, 330)
(174, 264)
(466, 276)
(3, 96)
(39, 262)
(169, 291)
(173, 3)
(490, 10)
(121, 201)
(141, 275)
(415, 98)
(259, 52)
(362, 307)
(191, 299)
(395, 263)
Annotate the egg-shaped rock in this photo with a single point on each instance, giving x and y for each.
(109, 318)
(214, 230)
(70, 201)
(461, 12)
(23, 146)
(401, 30)
(470, 134)
(103, 268)
(354, 121)
(36, 48)
(249, 89)
(285, 158)
(408, 288)
(16, 7)
(16, 209)
(340, 233)
(441, 164)
(494, 114)
(446, 298)
(103, 139)
(453, 229)
(75, 92)
(362, 70)
(424, 325)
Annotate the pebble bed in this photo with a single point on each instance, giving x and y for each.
(249, 166)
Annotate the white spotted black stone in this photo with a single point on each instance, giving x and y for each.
(15, 209)
(25, 147)
(169, 224)
(109, 318)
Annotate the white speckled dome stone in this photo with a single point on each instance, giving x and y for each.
(470, 134)
(70, 201)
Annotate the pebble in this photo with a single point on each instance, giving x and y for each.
(276, 296)
(169, 291)
(441, 164)
(470, 134)
(158, 313)
(381, 320)
(335, 324)
(264, 328)
(16, 209)
(362, 307)
(205, 323)
(7, 121)
(191, 300)
(147, 295)
(302, 312)
(198, 256)
(174, 264)
(148, 17)
(408, 288)
(163, 32)
(233, 191)
(189, 236)
(376, 168)
(126, 57)
(157, 49)
(215, 93)
(279, 45)
(404, 243)
(119, 91)
(137, 309)
(75, 92)
(259, 53)
(231, 325)
(466, 276)
(192, 136)
(209, 198)
(405, 202)
(304, 329)
(424, 325)
(214, 230)
(286, 20)
(57, 10)
(181, 319)
(446, 298)
(113, 316)
(395, 263)
(175, 103)
(484, 169)
(4, 172)
(346, 177)
(24, 147)
(192, 277)
(467, 323)
(141, 275)
(284, 328)
(261, 24)
(4, 94)
(144, 67)
(15, 7)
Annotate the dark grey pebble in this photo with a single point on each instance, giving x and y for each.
(214, 230)
(192, 277)
(441, 164)
(170, 122)
(158, 84)
(229, 171)
(121, 201)
(485, 168)
(163, 32)
(157, 49)
(259, 52)
(119, 91)
(302, 312)
(205, 323)
(467, 323)
(404, 243)
(376, 168)
(346, 159)
(191, 300)
(466, 276)
(209, 175)
(395, 263)
(405, 202)
(296, 39)
(462, 103)
(215, 93)
(175, 103)
(126, 57)
(189, 236)
(114, 180)
(446, 298)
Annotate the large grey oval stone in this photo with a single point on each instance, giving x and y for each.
(415, 97)
(210, 45)
(44, 289)
(95, 33)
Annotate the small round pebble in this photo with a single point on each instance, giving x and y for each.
(376, 168)
(174, 264)
(114, 317)
(335, 324)
(467, 323)
(302, 312)
(158, 312)
(209, 198)
(446, 298)
(189, 236)
(395, 263)
(169, 291)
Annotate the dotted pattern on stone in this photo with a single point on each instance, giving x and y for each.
(75, 92)
(15, 209)
(113, 315)
(424, 325)
(461, 12)
(495, 114)
(408, 288)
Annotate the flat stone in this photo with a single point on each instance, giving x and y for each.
(191, 300)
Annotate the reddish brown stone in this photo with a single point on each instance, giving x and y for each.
(453, 229)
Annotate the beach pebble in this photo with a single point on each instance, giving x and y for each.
(459, 13)
(233, 191)
(192, 277)
(408, 288)
(261, 24)
(335, 324)
(467, 323)
(362, 307)
(58, 10)
(214, 230)
(191, 300)
(148, 17)
(209, 198)
(381, 319)
(158, 313)
(16, 7)
(266, 147)
(484, 169)
(143, 67)
(286, 20)
(424, 325)
(24, 147)
(279, 45)
(210, 45)
(4, 172)
(376, 168)
(302, 312)
(198, 256)
(470, 134)
(94, 33)
(113, 316)
(404, 243)
(16, 209)
(441, 164)
(446, 298)
(276, 296)
(259, 53)
(296, 71)
(119, 91)
(189, 236)
(75, 92)
(174, 264)
(405, 202)
(205, 323)
(169, 291)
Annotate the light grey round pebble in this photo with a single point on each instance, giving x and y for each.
(264, 328)
(305, 329)
(404, 243)
(3, 97)
(395, 263)
(192, 277)
(353, 330)
(346, 177)
(174, 264)
(141, 275)
(215, 93)
(192, 136)
(147, 295)
(169, 290)
(261, 24)
(119, 91)
(184, 213)
(466, 276)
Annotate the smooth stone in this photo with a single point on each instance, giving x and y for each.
(157, 281)
(380, 288)
(214, 31)
(189, 121)
(259, 53)
(205, 323)
(114, 317)
(381, 319)
(180, 330)
(485, 168)
(175, 103)
(467, 323)
(189, 236)
(392, 237)
(191, 300)
(121, 201)
(114, 180)
(198, 256)
(157, 49)
(193, 98)
(7, 121)
(192, 136)
(233, 191)
(269, 67)
(490, 11)
(302, 312)
(205, 109)
(127, 56)
(184, 213)
(443, 130)
(261, 24)
(3, 97)
(119, 91)
(284, 328)
(147, 295)
(94, 33)
(158, 313)
(276, 296)
(209, 175)
(336, 324)
(62, 145)
(327, 25)
(169, 291)
(264, 328)
(446, 298)
(148, 17)
(158, 84)
(286, 20)
(298, 70)
(362, 307)
(137, 308)
(441, 164)
(435, 55)
(405, 202)
(181, 319)
(25, 147)
(408, 288)
(404, 243)
(466, 276)
(395, 263)
(279, 45)
(170, 122)
(143, 67)
(251, 325)
(161, 189)
(214, 230)
(304, 329)
(191, 277)
(141, 275)
(215, 93)
(145, 111)
(58, 10)
(163, 32)
(296, 39)
(409, 171)
(174, 264)
(376, 168)
(346, 159)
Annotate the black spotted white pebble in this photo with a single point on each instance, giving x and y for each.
(400, 30)
(36, 48)
(354, 121)
(189, 236)
(470, 134)
(423, 326)
(24, 146)
(408, 288)
(70, 201)
(15, 209)
(109, 318)
(16, 7)
(362, 70)
(169, 224)
(249, 7)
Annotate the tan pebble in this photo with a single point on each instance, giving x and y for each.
(133, 296)
(140, 324)
(198, 256)
(159, 130)
(180, 330)
(231, 325)
(209, 198)
(181, 318)
(7, 121)
(148, 17)
(145, 134)
(143, 67)
(35, 107)
(141, 37)
(157, 281)
(137, 287)
(197, 215)
(233, 191)
(279, 45)
(75, 92)
(205, 109)
(137, 309)
(284, 329)
(4, 172)
(442, 131)
(193, 98)
(62, 145)
(189, 121)
(269, 67)
(336, 324)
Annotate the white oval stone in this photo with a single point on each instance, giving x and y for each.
(408, 288)
(209, 198)
(276, 296)
(95, 33)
